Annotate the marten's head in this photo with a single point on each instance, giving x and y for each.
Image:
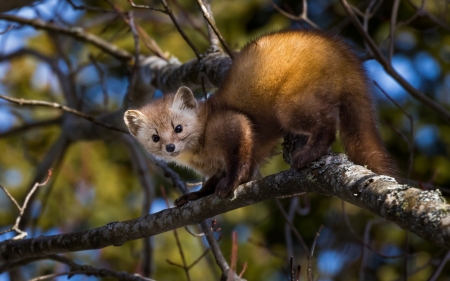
(167, 126)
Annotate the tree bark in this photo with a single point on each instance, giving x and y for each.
(424, 213)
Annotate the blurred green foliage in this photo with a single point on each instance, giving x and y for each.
(96, 184)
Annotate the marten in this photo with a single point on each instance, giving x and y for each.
(301, 82)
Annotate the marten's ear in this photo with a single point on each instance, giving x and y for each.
(134, 119)
(184, 98)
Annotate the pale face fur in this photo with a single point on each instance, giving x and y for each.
(157, 127)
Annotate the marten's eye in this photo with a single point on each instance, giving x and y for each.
(155, 138)
(178, 129)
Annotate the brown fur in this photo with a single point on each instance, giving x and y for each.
(301, 82)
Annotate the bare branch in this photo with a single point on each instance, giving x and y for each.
(141, 167)
(146, 7)
(22, 234)
(147, 40)
(441, 111)
(302, 17)
(424, 213)
(177, 182)
(168, 11)
(409, 141)
(244, 268)
(287, 228)
(212, 37)
(11, 26)
(177, 239)
(208, 17)
(101, 272)
(394, 15)
(12, 199)
(234, 256)
(76, 32)
(421, 11)
(293, 228)
(64, 108)
(366, 235)
(89, 8)
(439, 269)
(309, 268)
(102, 76)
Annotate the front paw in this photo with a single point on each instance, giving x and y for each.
(180, 201)
(223, 189)
(183, 199)
(300, 159)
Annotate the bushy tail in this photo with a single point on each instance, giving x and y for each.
(359, 131)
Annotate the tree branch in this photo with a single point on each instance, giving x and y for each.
(32, 125)
(169, 76)
(424, 213)
(76, 32)
(210, 20)
(64, 108)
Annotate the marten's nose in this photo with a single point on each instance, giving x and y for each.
(170, 147)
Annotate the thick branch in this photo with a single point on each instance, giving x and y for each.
(424, 213)
(169, 76)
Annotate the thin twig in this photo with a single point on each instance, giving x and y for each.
(291, 268)
(168, 11)
(421, 10)
(192, 233)
(209, 18)
(135, 68)
(244, 268)
(199, 258)
(192, 184)
(15, 227)
(148, 41)
(147, 7)
(193, 22)
(287, 229)
(363, 242)
(77, 33)
(302, 17)
(89, 270)
(89, 8)
(409, 141)
(440, 267)
(177, 239)
(309, 269)
(141, 167)
(11, 26)
(64, 108)
(233, 259)
(441, 111)
(297, 276)
(212, 228)
(303, 211)
(102, 80)
(293, 228)
(394, 15)
(364, 255)
(214, 40)
(406, 253)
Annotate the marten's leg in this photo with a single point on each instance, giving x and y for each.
(315, 116)
(207, 188)
(239, 145)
